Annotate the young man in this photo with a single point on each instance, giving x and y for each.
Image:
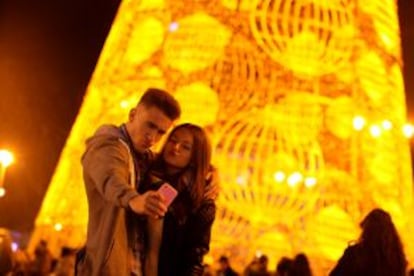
(114, 162)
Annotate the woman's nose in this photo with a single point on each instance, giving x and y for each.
(177, 147)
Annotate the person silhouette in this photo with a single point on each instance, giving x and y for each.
(378, 251)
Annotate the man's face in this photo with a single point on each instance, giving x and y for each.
(146, 126)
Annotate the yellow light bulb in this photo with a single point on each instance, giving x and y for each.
(6, 158)
(386, 124)
(359, 122)
(294, 179)
(279, 176)
(375, 131)
(310, 182)
(58, 227)
(408, 130)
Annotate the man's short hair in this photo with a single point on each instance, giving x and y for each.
(162, 100)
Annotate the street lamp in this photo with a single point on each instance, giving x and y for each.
(6, 158)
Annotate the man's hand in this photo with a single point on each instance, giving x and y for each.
(151, 203)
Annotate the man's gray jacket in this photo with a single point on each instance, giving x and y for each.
(109, 177)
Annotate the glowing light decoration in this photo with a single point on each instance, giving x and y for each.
(145, 40)
(324, 228)
(243, 60)
(408, 130)
(308, 37)
(305, 104)
(195, 96)
(359, 122)
(387, 125)
(310, 182)
(297, 116)
(58, 227)
(383, 14)
(6, 158)
(279, 176)
(339, 117)
(372, 72)
(201, 40)
(396, 101)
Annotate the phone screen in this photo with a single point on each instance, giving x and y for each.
(168, 192)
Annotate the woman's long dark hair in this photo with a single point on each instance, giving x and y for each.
(193, 177)
(379, 240)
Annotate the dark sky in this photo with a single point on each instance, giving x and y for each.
(48, 50)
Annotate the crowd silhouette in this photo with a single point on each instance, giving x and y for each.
(377, 252)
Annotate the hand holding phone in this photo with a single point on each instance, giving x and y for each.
(168, 192)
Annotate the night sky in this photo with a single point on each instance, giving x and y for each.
(48, 50)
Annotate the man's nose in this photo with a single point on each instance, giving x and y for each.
(152, 136)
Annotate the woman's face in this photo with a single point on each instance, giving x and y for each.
(179, 148)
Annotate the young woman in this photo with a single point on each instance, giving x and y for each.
(176, 244)
(378, 252)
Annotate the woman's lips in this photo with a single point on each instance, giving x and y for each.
(172, 153)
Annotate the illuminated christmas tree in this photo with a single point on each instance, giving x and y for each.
(305, 103)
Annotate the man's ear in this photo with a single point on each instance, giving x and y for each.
(132, 114)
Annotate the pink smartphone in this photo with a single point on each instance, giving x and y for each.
(168, 192)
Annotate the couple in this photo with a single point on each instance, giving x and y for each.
(130, 229)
